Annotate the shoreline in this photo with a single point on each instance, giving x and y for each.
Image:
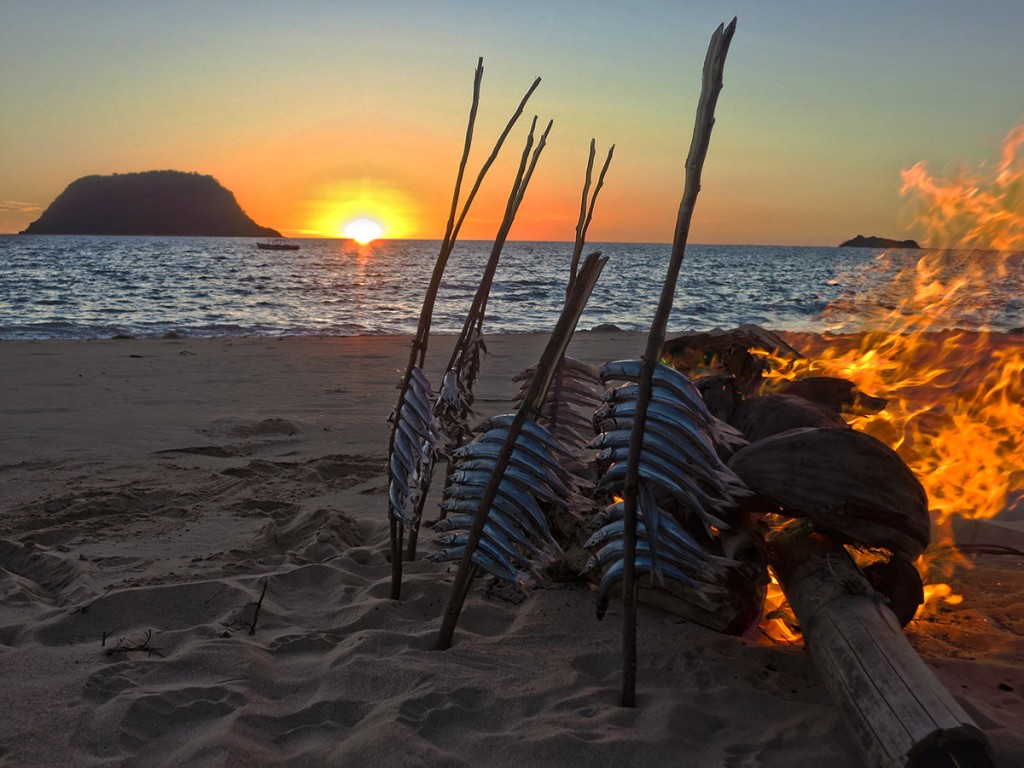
(150, 487)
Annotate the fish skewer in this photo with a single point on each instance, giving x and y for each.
(407, 490)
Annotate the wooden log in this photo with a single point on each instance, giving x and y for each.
(898, 712)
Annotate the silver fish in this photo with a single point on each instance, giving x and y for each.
(401, 469)
(524, 451)
(615, 476)
(630, 393)
(680, 484)
(511, 476)
(403, 503)
(420, 410)
(420, 378)
(533, 542)
(678, 544)
(663, 375)
(643, 565)
(675, 467)
(661, 410)
(491, 541)
(509, 499)
(612, 551)
(614, 446)
(542, 474)
(529, 428)
(453, 522)
(498, 567)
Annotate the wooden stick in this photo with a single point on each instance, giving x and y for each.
(417, 353)
(259, 604)
(528, 409)
(898, 712)
(714, 64)
(587, 203)
(587, 207)
(418, 349)
(526, 167)
(475, 316)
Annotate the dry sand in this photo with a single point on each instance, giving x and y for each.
(149, 489)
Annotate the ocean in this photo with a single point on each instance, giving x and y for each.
(86, 287)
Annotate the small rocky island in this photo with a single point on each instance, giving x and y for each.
(147, 203)
(878, 242)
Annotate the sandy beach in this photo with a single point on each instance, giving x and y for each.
(150, 489)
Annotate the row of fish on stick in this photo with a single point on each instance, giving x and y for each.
(685, 491)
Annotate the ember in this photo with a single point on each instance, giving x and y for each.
(778, 621)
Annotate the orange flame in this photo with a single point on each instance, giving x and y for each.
(933, 593)
(777, 620)
(974, 208)
(955, 390)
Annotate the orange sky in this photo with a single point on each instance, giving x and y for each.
(317, 113)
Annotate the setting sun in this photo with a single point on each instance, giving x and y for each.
(363, 209)
(363, 231)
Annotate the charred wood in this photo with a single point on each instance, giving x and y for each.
(727, 352)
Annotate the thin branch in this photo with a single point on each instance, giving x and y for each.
(426, 314)
(475, 316)
(515, 198)
(587, 210)
(450, 226)
(582, 225)
(423, 328)
(714, 64)
(417, 353)
(259, 604)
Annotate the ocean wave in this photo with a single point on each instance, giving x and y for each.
(67, 287)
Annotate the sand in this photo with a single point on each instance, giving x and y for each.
(149, 489)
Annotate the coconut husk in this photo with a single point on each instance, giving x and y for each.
(849, 484)
(899, 582)
(760, 417)
(839, 395)
(720, 393)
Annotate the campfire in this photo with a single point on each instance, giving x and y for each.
(739, 475)
(914, 366)
(955, 394)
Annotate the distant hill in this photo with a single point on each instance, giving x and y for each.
(878, 242)
(147, 203)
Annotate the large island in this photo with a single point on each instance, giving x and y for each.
(147, 203)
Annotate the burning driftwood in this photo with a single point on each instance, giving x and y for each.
(817, 486)
(898, 712)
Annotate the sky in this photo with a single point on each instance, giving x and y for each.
(316, 112)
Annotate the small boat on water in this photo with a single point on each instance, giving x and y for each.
(277, 244)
